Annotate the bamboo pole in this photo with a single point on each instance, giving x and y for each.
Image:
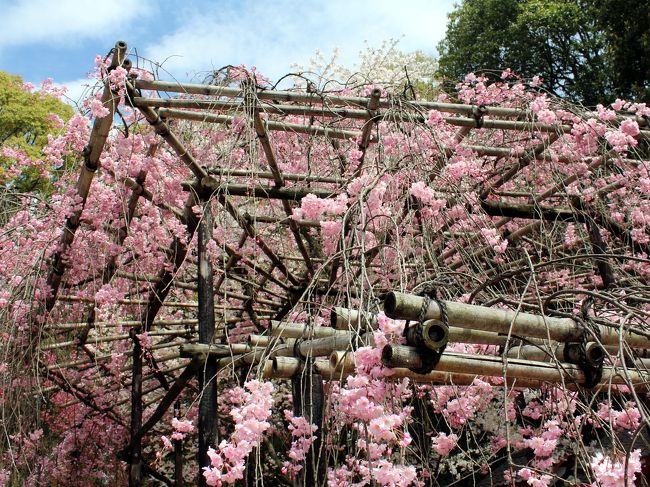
(344, 320)
(328, 100)
(294, 193)
(392, 115)
(325, 99)
(152, 279)
(345, 361)
(98, 358)
(261, 340)
(203, 351)
(112, 338)
(294, 128)
(352, 319)
(400, 356)
(320, 347)
(262, 135)
(295, 330)
(175, 304)
(91, 153)
(288, 367)
(226, 172)
(407, 307)
(285, 221)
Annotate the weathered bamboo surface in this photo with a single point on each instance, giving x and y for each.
(409, 357)
(297, 330)
(407, 307)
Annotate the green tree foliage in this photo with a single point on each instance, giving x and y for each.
(586, 51)
(626, 24)
(26, 120)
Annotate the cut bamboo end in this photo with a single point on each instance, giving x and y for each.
(342, 360)
(262, 340)
(434, 336)
(119, 54)
(267, 369)
(403, 306)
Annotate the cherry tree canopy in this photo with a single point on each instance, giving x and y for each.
(457, 289)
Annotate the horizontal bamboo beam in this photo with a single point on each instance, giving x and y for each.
(401, 356)
(456, 334)
(289, 367)
(407, 307)
(352, 319)
(213, 185)
(202, 351)
(226, 173)
(330, 132)
(296, 330)
(358, 102)
(110, 338)
(532, 212)
(346, 361)
(556, 351)
(321, 347)
(285, 221)
(393, 114)
(114, 324)
(316, 98)
(172, 304)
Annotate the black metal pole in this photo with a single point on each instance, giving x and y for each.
(208, 371)
(135, 453)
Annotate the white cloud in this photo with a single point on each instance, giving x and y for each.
(274, 35)
(77, 90)
(57, 22)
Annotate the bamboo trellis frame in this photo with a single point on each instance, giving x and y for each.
(277, 281)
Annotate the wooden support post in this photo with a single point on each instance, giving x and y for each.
(208, 370)
(309, 402)
(135, 453)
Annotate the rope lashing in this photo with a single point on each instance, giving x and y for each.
(430, 356)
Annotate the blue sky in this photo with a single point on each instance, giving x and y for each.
(60, 38)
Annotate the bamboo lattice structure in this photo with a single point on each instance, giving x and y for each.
(251, 286)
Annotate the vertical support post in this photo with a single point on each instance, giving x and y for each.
(308, 402)
(135, 453)
(178, 452)
(207, 371)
